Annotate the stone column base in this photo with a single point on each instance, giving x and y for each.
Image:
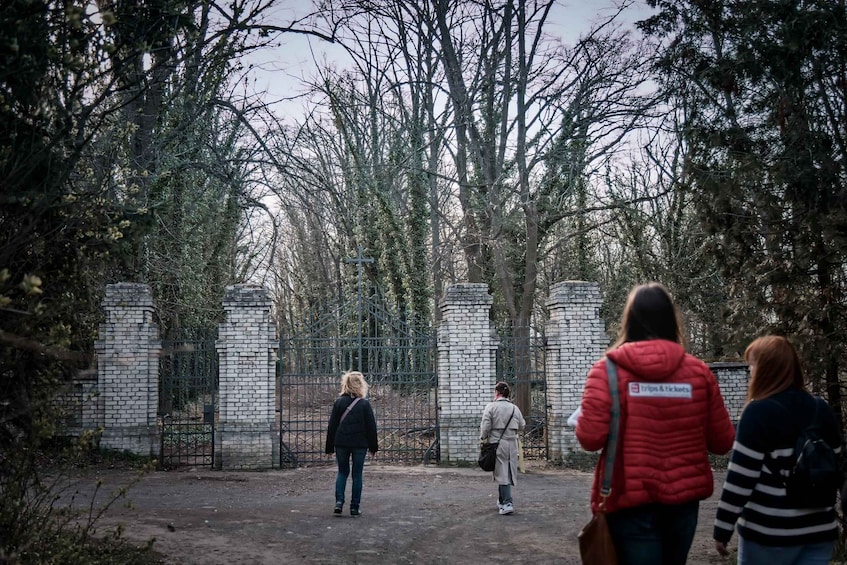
(244, 445)
(562, 439)
(139, 440)
(459, 438)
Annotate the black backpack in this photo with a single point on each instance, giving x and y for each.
(813, 478)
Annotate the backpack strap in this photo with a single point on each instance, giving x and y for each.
(798, 427)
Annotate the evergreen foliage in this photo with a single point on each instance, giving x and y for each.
(125, 155)
(765, 130)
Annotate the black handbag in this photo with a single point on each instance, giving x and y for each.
(487, 459)
(595, 541)
(488, 456)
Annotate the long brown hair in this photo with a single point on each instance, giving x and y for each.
(650, 313)
(775, 367)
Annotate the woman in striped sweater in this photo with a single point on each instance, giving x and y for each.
(772, 529)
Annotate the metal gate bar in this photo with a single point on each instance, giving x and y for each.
(310, 371)
(401, 372)
(188, 372)
(521, 363)
(399, 366)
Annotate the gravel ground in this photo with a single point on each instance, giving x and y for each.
(422, 514)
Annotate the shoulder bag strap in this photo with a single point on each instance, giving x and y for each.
(509, 421)
(352, 404)
(612, 439)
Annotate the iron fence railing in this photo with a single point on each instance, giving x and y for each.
(188, 373)
(521, 364)
(398, 361)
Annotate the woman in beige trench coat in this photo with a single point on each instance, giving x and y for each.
(501, 421)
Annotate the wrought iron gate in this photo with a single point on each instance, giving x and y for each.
(398, 361)
(188, 373)
(521, 363)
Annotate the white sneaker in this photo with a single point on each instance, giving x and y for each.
(506, 509)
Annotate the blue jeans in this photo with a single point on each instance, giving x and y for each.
(504, 494)
(750, 552)
(342, 456)
(654, 534)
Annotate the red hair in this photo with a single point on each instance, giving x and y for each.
(775, 367)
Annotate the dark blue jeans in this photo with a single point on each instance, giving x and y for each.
(504, 493)
(343, 456)
(654, 534)
(752, 553)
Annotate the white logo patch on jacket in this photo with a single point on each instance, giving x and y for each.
(660, 390)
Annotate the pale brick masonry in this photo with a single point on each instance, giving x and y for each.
(128, 371)
(123, 398)
(466, 369)
(78, 406)
(732, 379)
(246, 430)
(576, 339)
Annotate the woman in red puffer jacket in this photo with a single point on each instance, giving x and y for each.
(672, 417)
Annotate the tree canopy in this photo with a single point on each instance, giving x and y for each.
(458, 141)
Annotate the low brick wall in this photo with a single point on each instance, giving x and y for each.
(732, 379)
(122, 397)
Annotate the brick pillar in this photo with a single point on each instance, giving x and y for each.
(732, 380)
(128, 370)
(575, 340)
(467, 347)
(246, 433)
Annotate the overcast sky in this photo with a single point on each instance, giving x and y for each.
(280, 69)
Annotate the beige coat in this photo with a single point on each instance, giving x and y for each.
(494, 419)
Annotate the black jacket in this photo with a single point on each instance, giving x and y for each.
(358, 430)
(763, 453)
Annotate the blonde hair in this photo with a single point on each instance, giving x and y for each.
(353, 383)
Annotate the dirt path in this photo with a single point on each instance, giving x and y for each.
(431, 515)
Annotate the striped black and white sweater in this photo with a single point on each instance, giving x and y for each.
(754, 494)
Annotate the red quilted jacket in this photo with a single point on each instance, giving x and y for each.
(672, 415)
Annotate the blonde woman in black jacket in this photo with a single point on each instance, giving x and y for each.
(351, 434)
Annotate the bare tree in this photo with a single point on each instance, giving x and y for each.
(531, 118)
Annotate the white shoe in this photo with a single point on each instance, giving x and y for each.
(506, 509)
